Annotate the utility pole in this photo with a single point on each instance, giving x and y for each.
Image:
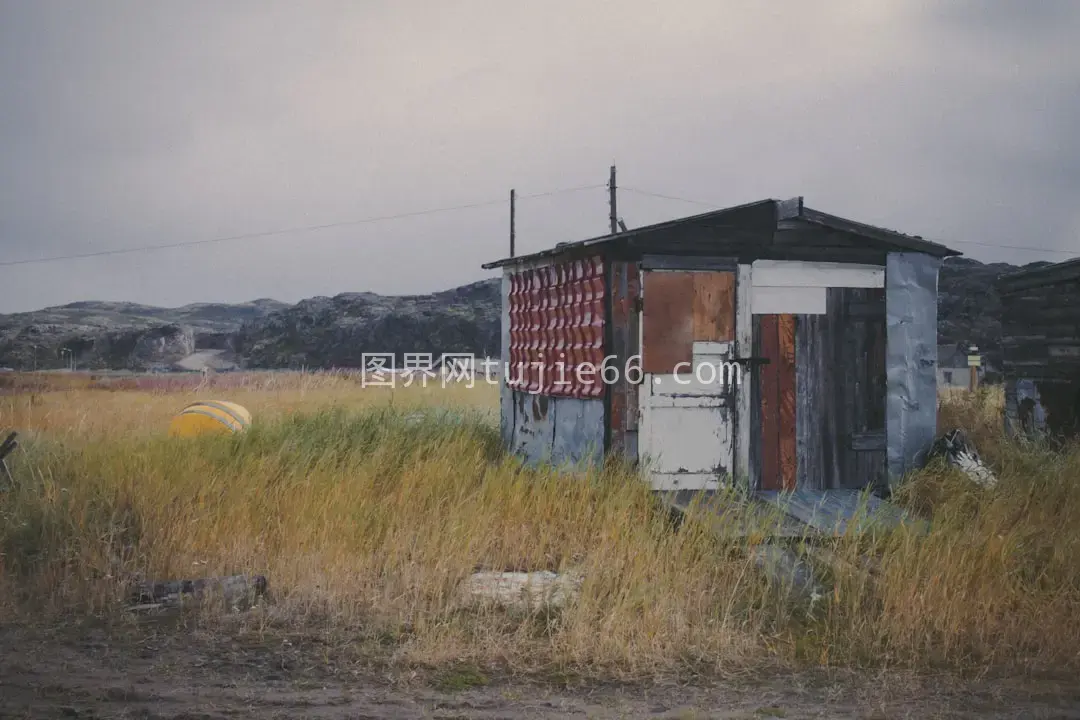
(513, 197)
(614, 216)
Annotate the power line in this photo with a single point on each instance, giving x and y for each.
(666, 197)
(962, 242)
(288, 231)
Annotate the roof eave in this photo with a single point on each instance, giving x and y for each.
(912, 242)
(1048, 275)
(785, 210)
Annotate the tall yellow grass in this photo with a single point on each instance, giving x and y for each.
(366, 514)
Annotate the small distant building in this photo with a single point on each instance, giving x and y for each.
(833, 324)
(1040, 339)
(953, 369)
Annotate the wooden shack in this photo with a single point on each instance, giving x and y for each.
(1040, 345)
(768, 345)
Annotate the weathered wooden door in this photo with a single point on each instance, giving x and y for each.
(820, 398)
(687, 398)
(777, 393)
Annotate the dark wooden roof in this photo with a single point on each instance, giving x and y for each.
(777, 229)
(1067, 272)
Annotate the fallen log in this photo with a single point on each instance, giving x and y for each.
(235, 590)
(522, 590)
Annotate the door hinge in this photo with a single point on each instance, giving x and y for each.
(639, 304)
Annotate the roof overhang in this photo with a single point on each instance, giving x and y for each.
(1066, 271)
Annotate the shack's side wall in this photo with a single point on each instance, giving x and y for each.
(553, 323)
(911, 281)
(506, 395)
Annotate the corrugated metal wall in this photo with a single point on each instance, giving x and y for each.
(556, 323)
(911, 281)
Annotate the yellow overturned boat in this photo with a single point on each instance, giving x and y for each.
(210, 416)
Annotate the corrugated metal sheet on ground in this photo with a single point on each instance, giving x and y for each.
(831, 511)
(733, 516)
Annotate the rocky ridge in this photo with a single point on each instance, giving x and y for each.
(324, 332)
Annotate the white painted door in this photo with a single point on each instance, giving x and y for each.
(686, 434)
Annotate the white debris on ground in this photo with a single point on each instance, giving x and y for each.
(523, 590)
(959, 452)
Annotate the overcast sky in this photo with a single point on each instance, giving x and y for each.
(147, 122)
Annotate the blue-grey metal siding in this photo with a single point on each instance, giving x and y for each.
(561, 431)
(911, 281)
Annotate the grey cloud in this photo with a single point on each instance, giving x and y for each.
(139, 123)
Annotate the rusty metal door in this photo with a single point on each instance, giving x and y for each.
(687, 398)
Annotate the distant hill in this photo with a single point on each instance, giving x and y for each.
(121, 335)
(337, 331)
(323, 332)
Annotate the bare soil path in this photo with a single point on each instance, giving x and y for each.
(91, 674)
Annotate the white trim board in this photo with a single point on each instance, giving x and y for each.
(788, 300)
(801, 274)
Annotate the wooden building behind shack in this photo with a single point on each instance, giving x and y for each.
(1040, 344)
(824, 332)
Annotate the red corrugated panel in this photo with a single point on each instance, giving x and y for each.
(557, 324)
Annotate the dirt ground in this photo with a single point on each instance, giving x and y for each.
(96, 674)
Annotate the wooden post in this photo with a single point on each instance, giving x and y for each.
(974, 361)
(614, 217)
(513, 197)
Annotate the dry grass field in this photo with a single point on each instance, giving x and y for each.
(366, 511)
